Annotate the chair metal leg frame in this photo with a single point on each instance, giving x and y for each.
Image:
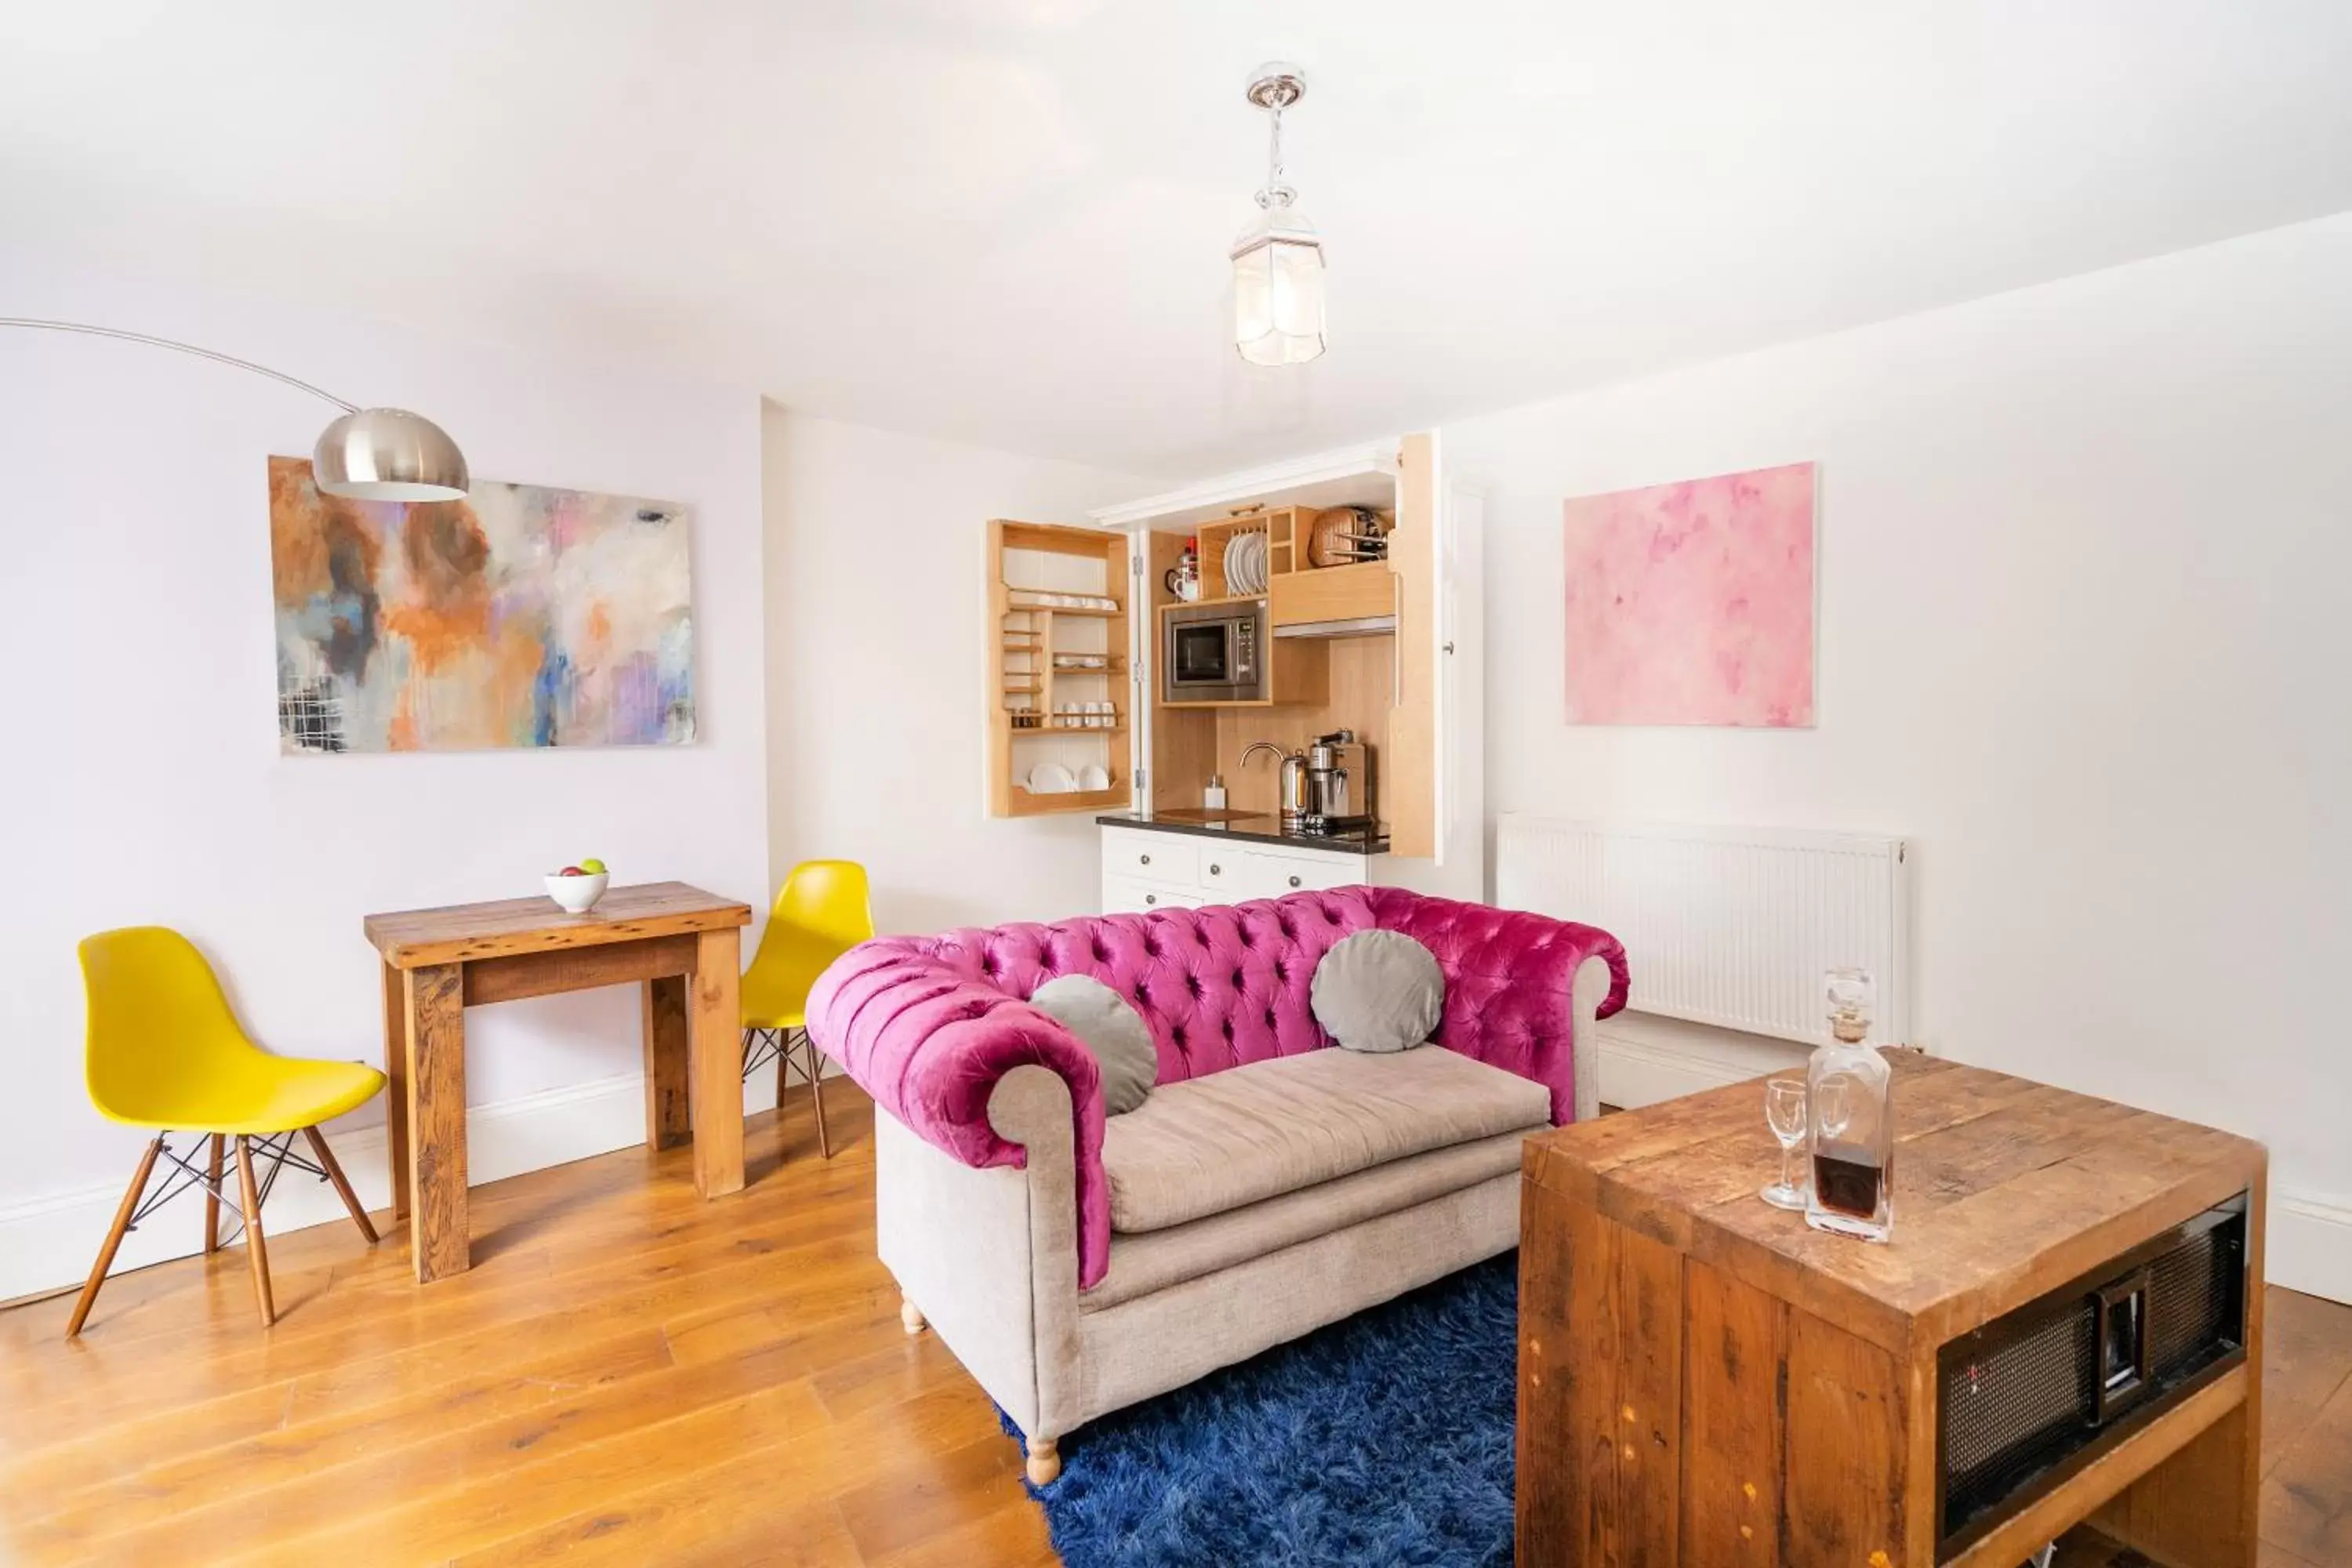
(789, 1049)
(247, 1199)
(811, 1068)
(761, 1047)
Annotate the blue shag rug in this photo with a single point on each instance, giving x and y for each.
(1386, 1439)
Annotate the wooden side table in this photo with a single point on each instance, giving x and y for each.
(1704, 1380)
(682, 944)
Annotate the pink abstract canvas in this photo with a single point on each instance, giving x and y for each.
(1693, 603)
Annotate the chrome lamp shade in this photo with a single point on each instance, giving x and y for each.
(389, 454)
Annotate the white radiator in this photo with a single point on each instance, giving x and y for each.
(1728, 926)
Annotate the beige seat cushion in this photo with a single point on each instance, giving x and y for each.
(1209, 1144)
(1155, 1260)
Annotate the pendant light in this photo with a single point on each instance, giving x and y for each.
(368, 453)
(1277, 258)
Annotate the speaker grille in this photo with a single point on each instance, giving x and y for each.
(2190, 1292)
(2024, 1399)
(2011, 1411)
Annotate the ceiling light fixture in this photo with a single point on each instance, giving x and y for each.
(1278, 259)
(368, 453)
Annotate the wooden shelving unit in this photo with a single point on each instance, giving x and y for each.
(1030, 564)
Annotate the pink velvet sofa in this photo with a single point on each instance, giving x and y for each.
(1268, 1186)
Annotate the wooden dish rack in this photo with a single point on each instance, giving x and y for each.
(1042, 577)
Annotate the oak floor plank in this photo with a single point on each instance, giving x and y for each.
(727, 1502)
(2307, 1360)
(1011, 1536)
(218, 1477)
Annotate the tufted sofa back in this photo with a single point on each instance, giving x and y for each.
(930, 1025)
(1218, 986)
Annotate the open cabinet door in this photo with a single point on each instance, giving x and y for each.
(1461, 690)
(1433, 775)
(1409, 786)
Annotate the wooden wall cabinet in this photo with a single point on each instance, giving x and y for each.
(1057, 631)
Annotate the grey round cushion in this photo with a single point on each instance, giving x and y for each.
(1379, 991)
(1114, 1031)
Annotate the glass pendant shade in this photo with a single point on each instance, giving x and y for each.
(1278, 289)
(389, 454)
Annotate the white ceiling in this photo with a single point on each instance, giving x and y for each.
(1006, 220)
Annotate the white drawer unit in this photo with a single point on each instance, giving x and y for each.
(1270, 873)
(1170, 857)
(1143, 868)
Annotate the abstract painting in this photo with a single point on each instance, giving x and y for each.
(1693, 603)
(517, 617)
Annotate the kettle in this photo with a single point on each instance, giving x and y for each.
(1292, 790)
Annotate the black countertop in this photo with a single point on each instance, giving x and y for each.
(1255, 828)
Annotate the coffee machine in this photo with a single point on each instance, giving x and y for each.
(1339, 785)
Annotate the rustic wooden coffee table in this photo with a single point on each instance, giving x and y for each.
(1703, 1379)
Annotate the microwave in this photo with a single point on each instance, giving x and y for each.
(1215, 653)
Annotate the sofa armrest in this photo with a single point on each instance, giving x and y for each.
(990, 1254)
(931, 1045)
(1517, 988)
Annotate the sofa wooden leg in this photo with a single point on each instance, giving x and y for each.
(1045, 1461)
(909, 1315)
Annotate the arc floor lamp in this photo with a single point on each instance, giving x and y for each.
(367, 454)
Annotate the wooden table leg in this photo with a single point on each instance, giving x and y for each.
(395, 1098)
(436, 1121)
(667, 1122)
(718, 1072)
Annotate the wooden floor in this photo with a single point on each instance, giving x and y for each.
(630, 1375)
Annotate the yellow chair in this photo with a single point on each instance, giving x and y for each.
(821, 912)
(164, 1051)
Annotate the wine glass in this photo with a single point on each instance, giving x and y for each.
(1784, 1110)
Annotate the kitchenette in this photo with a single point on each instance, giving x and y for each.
(1272, 699)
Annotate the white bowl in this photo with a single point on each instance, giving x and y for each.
(578, 895)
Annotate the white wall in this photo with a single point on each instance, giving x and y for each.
(142, 779)
(876, 691)
(2085, 589)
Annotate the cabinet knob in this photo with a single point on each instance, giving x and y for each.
(1151, 898)
(1215, 870)
(1144, 859)
(1294, 881)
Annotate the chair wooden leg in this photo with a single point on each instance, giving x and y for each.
(1045, 1461)
(911, 1317)
(257, 1249)
(343, 1187)
(816, 1094)
(212, 1196)
(783, 1038)
(114, 1237)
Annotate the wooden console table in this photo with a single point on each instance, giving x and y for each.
(1703, 1379)
(680, 942)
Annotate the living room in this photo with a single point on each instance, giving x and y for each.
(856, 453)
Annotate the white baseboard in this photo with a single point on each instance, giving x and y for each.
(2309, 1245)
(47, 1243)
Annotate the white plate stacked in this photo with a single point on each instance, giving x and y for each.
(1051, 778)
(1246, 563)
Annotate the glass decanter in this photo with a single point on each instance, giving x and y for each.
(1850, 1093)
